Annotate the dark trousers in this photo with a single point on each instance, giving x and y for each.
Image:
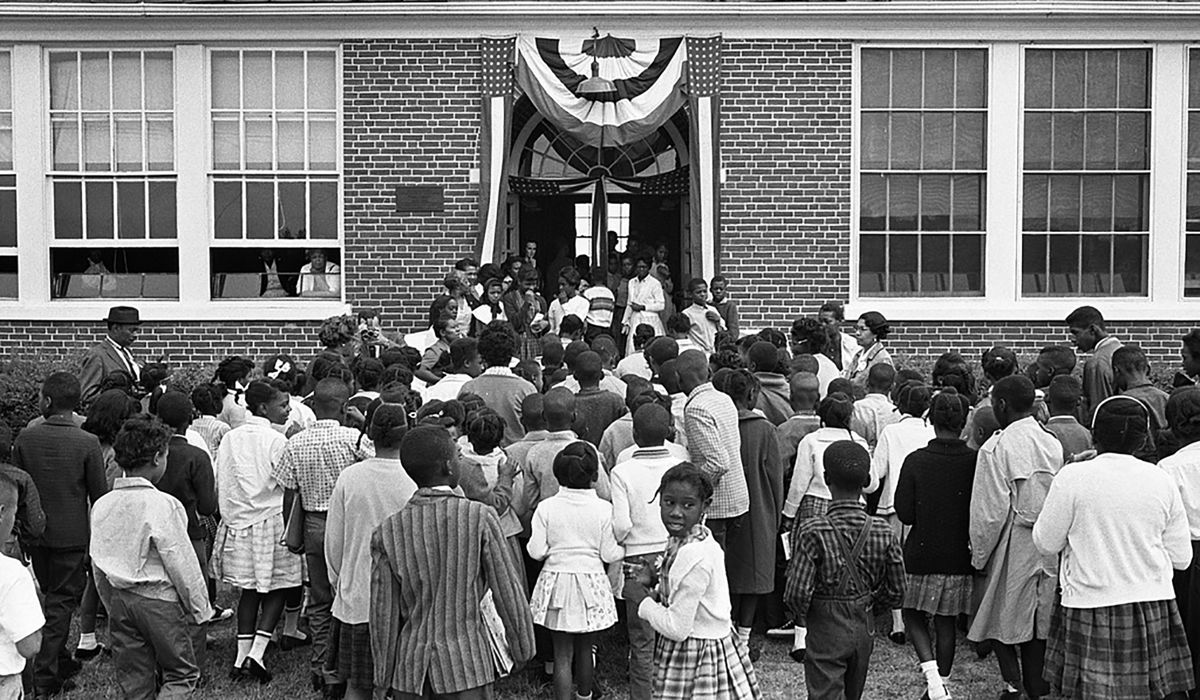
(320, 593)
(839, 647)
(641, 641)
(1187, 598)
(151, 637)
(60, 574)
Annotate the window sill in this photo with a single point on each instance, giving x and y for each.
(1053, 309)
(94, 310)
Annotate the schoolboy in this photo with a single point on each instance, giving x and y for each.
(601, 304)
(428, 637)
(679, 328)
(657, 352)
(846, 567)
(30, 518)
(1131, 372)
(1063, 397)
(803, 397)
(774, 396)
(540, 482)
(669, 376)
(146, 570)
(570, 330)
(464, 366)
(1052, 361)
(605, 348)
(21, 617)
(706, 320)
(725, 305)
(446, 330)
(595, 408)
(1090, 334)
(875, 411)
(635, 363)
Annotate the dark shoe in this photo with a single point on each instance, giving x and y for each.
(287, 642)
(898, 638)
(67, 668)
(220, 614)
(318, 682)
(334, 691)
(236, 674)
(983, 649)
(797, 655)
(1010, 695)
(257, 671)
(89, 654)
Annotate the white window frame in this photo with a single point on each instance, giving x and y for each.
(13, 250)
(33, 166)
(1002, 298)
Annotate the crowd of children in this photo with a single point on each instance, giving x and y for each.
(427, 516)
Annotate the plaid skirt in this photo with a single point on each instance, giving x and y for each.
(530, 347)
(1135, 650)
(938, 594)
(350, 645)
(703, 669)
(252, 557)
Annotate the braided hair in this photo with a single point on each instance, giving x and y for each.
(231, 371)
(577, 466)
(1183, 414)
(835, 410)
(388, 425)
(913, 399)
(998, 362)
(485, 430)
(948, 410)
(952, 371)
(741, 386)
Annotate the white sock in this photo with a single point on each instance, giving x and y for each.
(1010, 688)
(799, 635)
(291, 620)
(259, 647)
(933, 681)
(244, 641)
(743, 635)
(87, 641)
(548, 668)
(897, 622)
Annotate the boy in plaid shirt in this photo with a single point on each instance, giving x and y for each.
(846, 567)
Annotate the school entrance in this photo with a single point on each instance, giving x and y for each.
(557, 183)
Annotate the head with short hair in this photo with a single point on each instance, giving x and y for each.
(530, 371)
(764, 357)
(1191, 352)
(1121, 424)
(804, 391)
(835, 410)
(842, 385)
(485, 431)
(1064, 394)
(847, 466)
(719, 286)
(60, 393)
(445, 327)
(577, 466)
(175, 410)
(948, 411)
(108, 413)
(589, 370)
(651, 425)
(642, 334)
(881, 378)
(660, 350)
(1129, 362)
(668, 375)
(606, 348)
(1052, 361)
(572, 352)
(141, 447)
(693, 370)
(497, 345)
(679, 325)
(571, 327)
(464, 353)
(984, 423)
(741, 386)
(428, 454)
(1012, 399)
(533, 412)
(809, 336)
(568, 278)
(1086, 327)
(831, 314)
(393, 356)
(635, 385)
(804, 363)
(1183, 414)
(553, 353)
(330, 397)
(559, 409)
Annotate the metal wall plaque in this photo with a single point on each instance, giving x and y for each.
(420, 198)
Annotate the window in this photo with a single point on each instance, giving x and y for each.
(113, 174)
(275, 173)
(1191, 264)
(8, 186)
(1086, 174)
(618, 222)
(922, 170)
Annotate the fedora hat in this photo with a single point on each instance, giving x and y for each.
(123, 314)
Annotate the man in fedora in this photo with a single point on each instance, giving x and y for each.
(112, 354)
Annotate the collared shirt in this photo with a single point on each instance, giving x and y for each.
(140, 543)
(704, 331)
(1184, 468)
(247, 493)
(818, 560)
(601, 302)
(212, 430)
(715, 445)
(20, 614)
(447, 388)
(540, 482)
(1098, 381)
(502, 391)
(315, 457)
(131, 364)
(609, 382)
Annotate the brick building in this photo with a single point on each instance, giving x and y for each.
(974, 170)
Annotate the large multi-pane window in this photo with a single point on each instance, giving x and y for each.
(1086, 172)
(8, 185)
(275, 174)
(922, 171)
(1191, 264)
(113, 174)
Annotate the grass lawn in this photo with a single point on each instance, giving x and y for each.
(893, 673)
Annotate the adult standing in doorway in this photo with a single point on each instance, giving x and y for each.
(661, 269)
(113, 353)
(529, 259)
(645, 302)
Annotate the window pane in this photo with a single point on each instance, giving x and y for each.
(1100, 141)
(971, 80)
(97, 145)
(256, 76)
(1131, 206)
(99, 209)
(1096, 260)
(968, 203)
(875, 73)
(939, 78)
(5, 81)
(293, 210)
(968, 141)
(68, 210)
(1068, 79)
(874, 151)
(872, 209)
(64, 80)
(906, 141)
(6, 157)
(260, 210)
(1037, 141)
(1134, 89)
(227, 209)
(8, 277)
(116, 273)
(162, 209)
(1033, 264)
(1101, 79)
(131, 210)
(1133, 136)
(902, 203)
(1064, 264)
(1194, 79)
(968, 264)
(129, 144)
(1064, 203)
(1038, 79)
(291, 145)
(906, 79)
(1193, 150)
(935, 202)
(226, 83)
(322, 145)
(161, 133)
(1067, 151)
(259, 146)
(127, 80)
(1193, 202)
(1097, 203)
(95, 81)
(1034, 214)
(160, 81)
(937, 140)
(902, 263)
(872, 259)
(226, 145)
(289, 80)
(322, 81)
(1191, 267)
(935, 264)
(8, 217)
(323, 210)
(1129, 264)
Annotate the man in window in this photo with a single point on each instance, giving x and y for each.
(320, 277)
(112, 354)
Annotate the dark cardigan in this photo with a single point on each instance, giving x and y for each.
(933, 495)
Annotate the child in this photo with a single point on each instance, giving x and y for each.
(997, 362)
(1131, 372)
(1063, 398)
(724, 305)
(679, 328)
(952, 371)
(696, 654)
(706, 320)
(635, 362)
(207, 399)
(751, 566)
(933, 497)
(875, 411)
(639, 528)
(249, 554)
(146, 571)
(834, 587)
(365, 494)
(573, 533)
(232, 376)
(445, 327)
(601, 304)
(1052, 361)
(1183, 414)
(896, 442)
(431, 561)
(30, 518)
(774, 399)
(1090, 334)
(487, 475)
(571, 330)
(21, 617)
(803, 395)
(595, 408)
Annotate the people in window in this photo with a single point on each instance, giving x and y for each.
(275, 282)
(320, 277)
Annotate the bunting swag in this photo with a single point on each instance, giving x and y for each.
(495, 101)
(647, 76)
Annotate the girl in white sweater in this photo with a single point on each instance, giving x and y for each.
(1120, 526)
(696, 656)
